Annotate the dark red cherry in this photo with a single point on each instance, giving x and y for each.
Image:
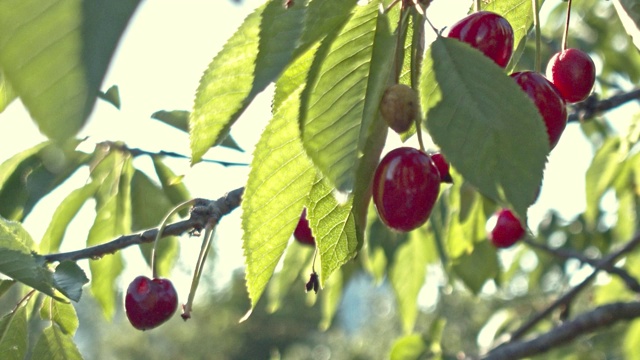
(573, 73)
(488, 32)
(302, 233)
(149, 303)
(547, 99)
(443, 167)
(506, 229)
(405, 188)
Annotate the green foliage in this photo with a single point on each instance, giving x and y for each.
(14, 334)
(55, 344)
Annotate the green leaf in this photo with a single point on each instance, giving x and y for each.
(7, 95)
(14, 334)
(407, 275)
(174, 188)
(331, 295)
(409, 347)
(113, 218)
(5, 285)
(54, 344)
(485, 125)
(251, 59)
(55, 54)
(629, 14)
(65, 212)
(17, 260)
(149, 206)
(475, 268)
(179, 119)
(333, 127)
(29, 178)
(632, 341)
(334, 227)
(61, 313)
(280, 178)
(295, 263)
(605, 167)
(69, 279)
(112, 96)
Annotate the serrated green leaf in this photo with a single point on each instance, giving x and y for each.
(179, 119)
(69, 279)
(295, 263)
(251, 59)
(17, 260)
(61, 313)
(54, 344)
(55, 54)
(7, 95)
(65, 212)
(475, 268)
(28, 179)
(280, 178)
(485, 125)
(407, 275)
(629, 14)
(112, 96)
(14, 335)
(604, 168)
(174, 188)
(334, 227)
(333, 127)
(149, 205)
(331, 295)
(408, 347)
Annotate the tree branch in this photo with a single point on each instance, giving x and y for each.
(603, 316)
(203, 212)
(591, 107)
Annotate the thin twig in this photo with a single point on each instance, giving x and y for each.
(592, 107)
(204, 211)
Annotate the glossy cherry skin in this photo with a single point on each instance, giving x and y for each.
(507, 229)
(443, 167)
(149, 303)
(405, 188)
(573, 73)
(302, 233)
(547, 99)
(488, 32)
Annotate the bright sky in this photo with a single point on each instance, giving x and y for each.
(157, 67)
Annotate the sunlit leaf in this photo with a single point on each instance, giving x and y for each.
(485, 125)
(149, 205)
(296, 262)
(179, 119)
(331, 294)
(61, 313)
(65, 212)
(14, 335)
(469, 270)
(603, 170)
(18, 261)
(7, 95)
(5, 285)
(629, 14)
(55, 54)
(280, 178)
(407, 275)
(54, 344)
(252, 58)
(632, 341)
(333, 127)
(409, 347)
(69, 279)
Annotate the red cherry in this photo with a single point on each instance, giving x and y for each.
(302, 233)
(573, 73)
(507, 229)
(405, 188)
(149, 303)
(488, 32)
(547, 99)
(443, 167)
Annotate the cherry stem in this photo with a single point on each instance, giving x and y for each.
(536, 22)
(23, 300)
(164, 223)
(204, 250)
(565, 35)
(477, 5)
